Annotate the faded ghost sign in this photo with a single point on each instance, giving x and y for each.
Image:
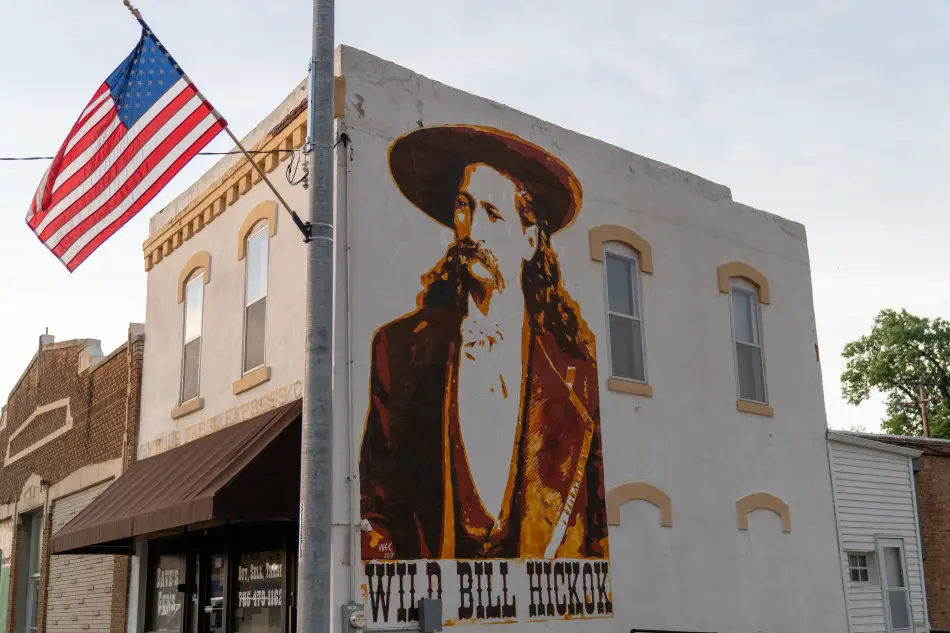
(481, 468)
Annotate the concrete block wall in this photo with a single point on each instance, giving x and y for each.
(79, 589)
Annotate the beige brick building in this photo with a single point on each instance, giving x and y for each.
(65, 435)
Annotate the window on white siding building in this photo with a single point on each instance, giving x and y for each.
(255, 297)
(191, 346)
(624, 315)
(747, 336)
(858, 567)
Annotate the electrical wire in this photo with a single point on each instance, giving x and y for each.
(269, 151)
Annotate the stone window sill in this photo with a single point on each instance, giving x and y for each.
(755, 408)
(629, 386)
(195, 404)
(251, 379)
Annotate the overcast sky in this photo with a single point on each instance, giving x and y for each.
(832, 113)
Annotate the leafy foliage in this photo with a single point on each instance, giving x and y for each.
(902, 351)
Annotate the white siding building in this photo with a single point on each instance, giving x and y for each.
(879, 534)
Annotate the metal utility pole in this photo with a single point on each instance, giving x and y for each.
(314, 587)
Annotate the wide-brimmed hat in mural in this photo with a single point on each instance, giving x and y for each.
(429, 164)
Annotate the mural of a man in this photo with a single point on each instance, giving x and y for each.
(482, 438)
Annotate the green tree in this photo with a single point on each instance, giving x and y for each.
(901, 352)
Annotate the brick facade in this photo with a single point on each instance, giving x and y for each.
(69, 383)
(933, 494)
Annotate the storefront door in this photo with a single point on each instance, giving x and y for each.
(214, 582)
(238, 581)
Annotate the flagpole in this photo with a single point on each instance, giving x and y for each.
(314, 577)
(301, 225)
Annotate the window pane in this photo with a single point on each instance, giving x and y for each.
(749, 365)
(626, 348)
(260, 592)
(217, 580)
(194, 292)
(897, 604)
(190, 368)
(164, 600)
(256, 265)
(36, 537)
(745, 316)
(620, 297)
(892, 567)
(254, 316)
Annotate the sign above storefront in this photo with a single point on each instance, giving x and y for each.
(239, 413)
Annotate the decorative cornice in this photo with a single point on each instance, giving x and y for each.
(727, 271)
(639, 491)
(266, 210)
(199, 261)
(288, 135)
(225, 191)
(62, 403)
(600, 235)
(762, 501)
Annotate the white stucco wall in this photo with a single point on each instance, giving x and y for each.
(688, 439)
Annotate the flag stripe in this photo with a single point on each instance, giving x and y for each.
(94, 103)
(81, 149)
(105, 171)
(83, 166)
(123, 160)
(150, 193)
(68, 234)
(94, 119)
(100, 96)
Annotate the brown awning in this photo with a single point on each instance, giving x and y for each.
(249, 471)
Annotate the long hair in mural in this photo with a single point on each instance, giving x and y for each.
(482, 442)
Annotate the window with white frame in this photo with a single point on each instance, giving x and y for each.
(624, 315)
(858, 568)
(255, 296)
(747, 336)
(191, 346)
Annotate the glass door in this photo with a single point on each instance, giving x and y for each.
(894, 584)
(214, 601)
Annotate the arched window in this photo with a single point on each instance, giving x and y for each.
(625, 256)
(747, 338)
(191, 337)
(255, 295)
(747, 289)
(624, 313)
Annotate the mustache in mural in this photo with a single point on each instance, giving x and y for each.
(484, 275)
(467, 270)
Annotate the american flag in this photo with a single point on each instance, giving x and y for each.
(139, 129)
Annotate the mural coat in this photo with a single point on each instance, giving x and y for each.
(481, 467)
